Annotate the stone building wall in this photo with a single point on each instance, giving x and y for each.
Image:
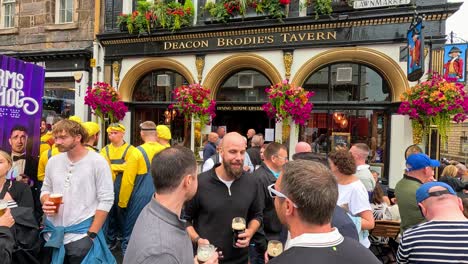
(454, 146)
(35, 28)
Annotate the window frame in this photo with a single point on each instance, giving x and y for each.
(12, 17)
(59, 9)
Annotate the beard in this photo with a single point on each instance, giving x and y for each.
(233, 172)
(65, 148)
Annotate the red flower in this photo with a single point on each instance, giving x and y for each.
(285, 2)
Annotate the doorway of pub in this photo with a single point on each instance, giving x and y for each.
(241, 121)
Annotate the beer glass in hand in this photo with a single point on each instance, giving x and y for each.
(3, 207)
(56, 198)
(238, 227)
(205, 252)
(274, 249)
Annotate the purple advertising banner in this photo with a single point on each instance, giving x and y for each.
(21, 90)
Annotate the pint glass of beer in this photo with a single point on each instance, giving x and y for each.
(238, 227)
(205, 252)
(56, 198)
(274, 249)
(3, 207)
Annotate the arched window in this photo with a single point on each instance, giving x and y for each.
(244, 86)
(351, 105)
(348, 82)
(157, 86)
(151, 98)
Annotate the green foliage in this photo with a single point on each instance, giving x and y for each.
(224, 10)
(322, 7)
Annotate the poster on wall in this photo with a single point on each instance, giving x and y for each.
(415, 39)
(21, 91)
(455, 62)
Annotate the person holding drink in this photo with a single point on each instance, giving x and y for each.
(305, 197)
(159, 235)
(77, 195)
(226, 192)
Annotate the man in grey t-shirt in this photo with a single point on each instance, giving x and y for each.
(159, 234)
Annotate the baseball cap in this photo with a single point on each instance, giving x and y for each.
(419, 161)
(116, 127)
(422, 193)
(163, 132)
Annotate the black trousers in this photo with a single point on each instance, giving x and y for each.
(75, 251)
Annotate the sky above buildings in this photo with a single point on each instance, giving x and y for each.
(458, 23)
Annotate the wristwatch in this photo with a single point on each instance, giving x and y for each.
(92, 235)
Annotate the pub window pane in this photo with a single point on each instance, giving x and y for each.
(245, 86)
(373, 87)
(59, 98)
(158, 86)
(344, 81)
(318, 83)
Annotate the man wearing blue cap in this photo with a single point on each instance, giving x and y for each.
(419, 169)
(443, 238)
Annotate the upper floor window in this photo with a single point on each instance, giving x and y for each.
(64, 11)
(8, 13)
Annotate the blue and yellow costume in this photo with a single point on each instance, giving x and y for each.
(117, 158)
(137, 185)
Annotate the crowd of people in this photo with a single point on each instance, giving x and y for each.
(248, 202)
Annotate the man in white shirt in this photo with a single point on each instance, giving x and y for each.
(84, 180)
(360, 152)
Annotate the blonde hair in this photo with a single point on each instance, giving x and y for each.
(71, 127)
(450, 170)
(7, 157)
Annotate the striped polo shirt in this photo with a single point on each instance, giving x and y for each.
(435, 242)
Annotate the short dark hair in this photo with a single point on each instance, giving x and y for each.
(344, 161)
(313, 188)
(310, 156)
(18, 128)
(170, 166)
(272, 149)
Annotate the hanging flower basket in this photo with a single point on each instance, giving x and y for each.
(194, 100)
(288, 102)
(435, 102)
(104, 100)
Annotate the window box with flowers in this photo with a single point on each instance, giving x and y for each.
(237, 10)
(148, 17)
(436, 102)
(326, 7)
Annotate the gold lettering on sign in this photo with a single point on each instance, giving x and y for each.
(310, 36)
(252, 40)
(191, 44)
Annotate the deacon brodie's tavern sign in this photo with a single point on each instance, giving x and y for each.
(249, 39)
(260, 40)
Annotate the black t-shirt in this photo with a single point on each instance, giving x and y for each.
(348, 251)
(215, 205)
